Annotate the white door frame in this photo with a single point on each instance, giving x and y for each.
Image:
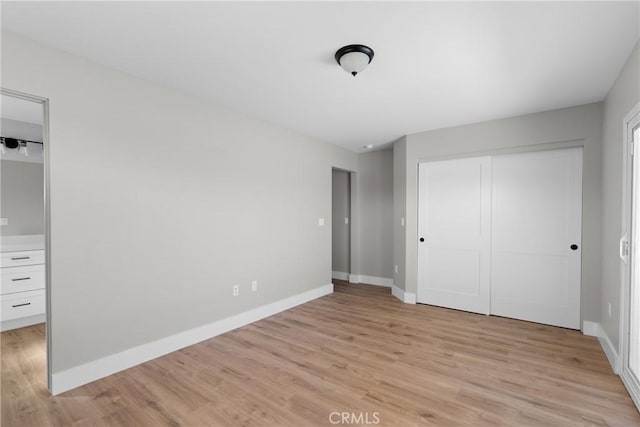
(47, 213)
(632, 384)
(351, 177)
(354, 225)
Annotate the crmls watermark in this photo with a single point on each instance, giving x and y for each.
(360, 418)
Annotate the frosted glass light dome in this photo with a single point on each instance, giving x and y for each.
(354, 58)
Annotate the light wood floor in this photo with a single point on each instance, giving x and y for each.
(358, 350)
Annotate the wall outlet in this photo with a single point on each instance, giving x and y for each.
(402, 222)
(236, 290)
(346, 220)
(254, 285)
(395, 267)
(609, 309)
(320, 222)
(4, 221)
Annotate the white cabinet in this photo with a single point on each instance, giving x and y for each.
(21, 279)
(16, 259)
(22, 305)
(22, 282)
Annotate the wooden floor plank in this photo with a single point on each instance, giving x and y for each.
(358, 350)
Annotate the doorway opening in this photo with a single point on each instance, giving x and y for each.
(340, 224)
(24, 236)
(630, 254)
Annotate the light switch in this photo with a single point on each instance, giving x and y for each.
(4, 221)
(402, 222)
(346, 220)
(321, 222)
(254, 285)
(396, 269)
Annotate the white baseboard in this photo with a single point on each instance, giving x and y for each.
(371, 280)
(8, 325)
(609, 350)
(406, 297)
(595, 329)
(83, 374)
(591, 329)
(340, 275)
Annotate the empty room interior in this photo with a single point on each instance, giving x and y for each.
(320, 213)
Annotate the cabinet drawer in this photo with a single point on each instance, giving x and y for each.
(16, 259)
(22, 304)
(20, 279)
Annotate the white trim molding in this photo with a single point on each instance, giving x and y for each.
(591, 329)
(610, 351)
(631, 388)
(8, 325)
(595, 329)
(371, 280)
(630, 208)
(404, 296)
(340, 275)
(94, 370)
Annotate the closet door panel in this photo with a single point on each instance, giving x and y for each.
(454, 221)
(536, 218)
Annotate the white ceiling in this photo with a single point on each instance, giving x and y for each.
(21, 110)
(435, 65)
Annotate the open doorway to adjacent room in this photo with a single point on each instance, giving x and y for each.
(23, 229)
(340, 224)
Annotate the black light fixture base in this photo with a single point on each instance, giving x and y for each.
(354, 48)
(11, 143)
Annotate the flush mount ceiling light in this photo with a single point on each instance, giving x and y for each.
(354, 58)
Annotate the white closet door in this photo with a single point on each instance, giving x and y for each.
(454, 221)
(536, 239)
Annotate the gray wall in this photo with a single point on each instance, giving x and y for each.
(21, 197)
(162, 201)
(552, 129)
(624, 94)
(340, 232)
(375, 200)
(21, 130)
